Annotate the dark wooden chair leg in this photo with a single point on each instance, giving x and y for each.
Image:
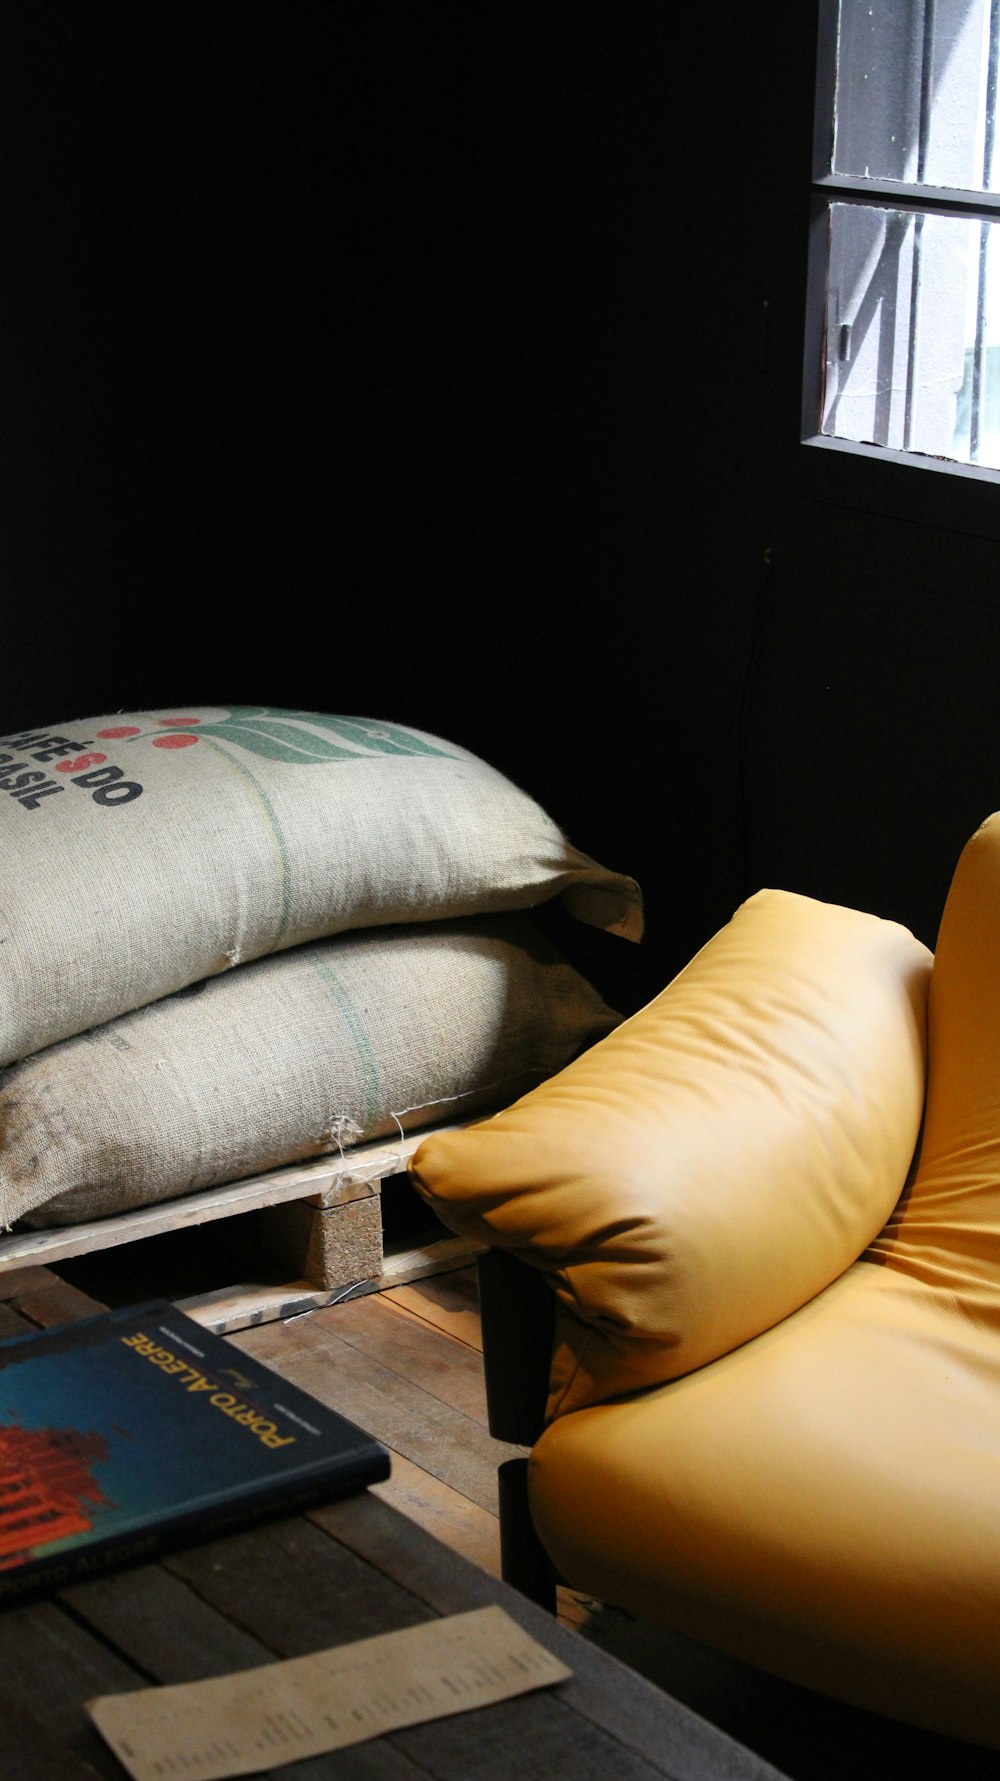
(524, 1562)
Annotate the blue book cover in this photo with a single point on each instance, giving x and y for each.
(136, 1429)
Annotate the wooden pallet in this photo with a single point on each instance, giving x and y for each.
(320, 1227)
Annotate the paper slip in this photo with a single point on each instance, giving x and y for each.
(303, 1706)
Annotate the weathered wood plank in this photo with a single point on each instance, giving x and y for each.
(51, 1666)
(50, 1301)
(295, 1590)
(444, 1512)
(442, 1255)
(531, 1736)
(131, 1609)
(25, 1279)
(417, 1351)
(244, 1306)
(32, 1753)
(11, 1322)
(449, 1302)
(174, 1635)
(602, 1690)
(403, 1415)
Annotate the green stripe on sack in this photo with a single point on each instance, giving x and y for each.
(358, 1032)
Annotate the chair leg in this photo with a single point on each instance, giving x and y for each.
(524, 1562)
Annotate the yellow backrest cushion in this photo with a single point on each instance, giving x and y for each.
(946, 1233)
(719, 1158)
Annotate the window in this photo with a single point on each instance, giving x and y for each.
(903, 342)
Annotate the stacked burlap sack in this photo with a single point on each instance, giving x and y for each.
(239, 937)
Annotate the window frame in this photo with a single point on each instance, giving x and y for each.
(826, 187)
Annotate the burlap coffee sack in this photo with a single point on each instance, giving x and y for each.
(296, 1055)
(145, 851)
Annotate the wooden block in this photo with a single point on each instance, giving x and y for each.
(330, 1246)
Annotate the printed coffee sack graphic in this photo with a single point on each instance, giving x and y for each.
(144, 851)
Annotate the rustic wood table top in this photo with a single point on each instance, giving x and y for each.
(343, 1571)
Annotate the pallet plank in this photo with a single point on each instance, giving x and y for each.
(323, 1180)
(247, 1304)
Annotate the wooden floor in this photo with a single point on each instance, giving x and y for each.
(406, 1364)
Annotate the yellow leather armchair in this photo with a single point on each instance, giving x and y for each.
(766, 1211)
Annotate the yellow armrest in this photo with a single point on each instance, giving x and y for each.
(719, 1158)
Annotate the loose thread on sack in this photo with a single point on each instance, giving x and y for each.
(341, 1126)
(444, 1101)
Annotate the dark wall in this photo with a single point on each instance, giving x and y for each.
(439, 362)
(870, 744)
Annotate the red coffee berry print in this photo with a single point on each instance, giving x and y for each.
(80, 765)
(177, 739)
(118, 732)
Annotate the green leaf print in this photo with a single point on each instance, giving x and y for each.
(276, 741)
(291, 736)
(377, 737)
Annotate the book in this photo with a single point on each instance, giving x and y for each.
(136, 1430)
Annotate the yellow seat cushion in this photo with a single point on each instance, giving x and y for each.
(824, 1503)
(719, 1158)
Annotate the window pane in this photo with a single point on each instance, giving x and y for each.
(912, 332)
(916, 92)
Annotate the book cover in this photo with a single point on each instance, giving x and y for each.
(136, 1430)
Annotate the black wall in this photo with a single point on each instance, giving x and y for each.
(440, 362)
